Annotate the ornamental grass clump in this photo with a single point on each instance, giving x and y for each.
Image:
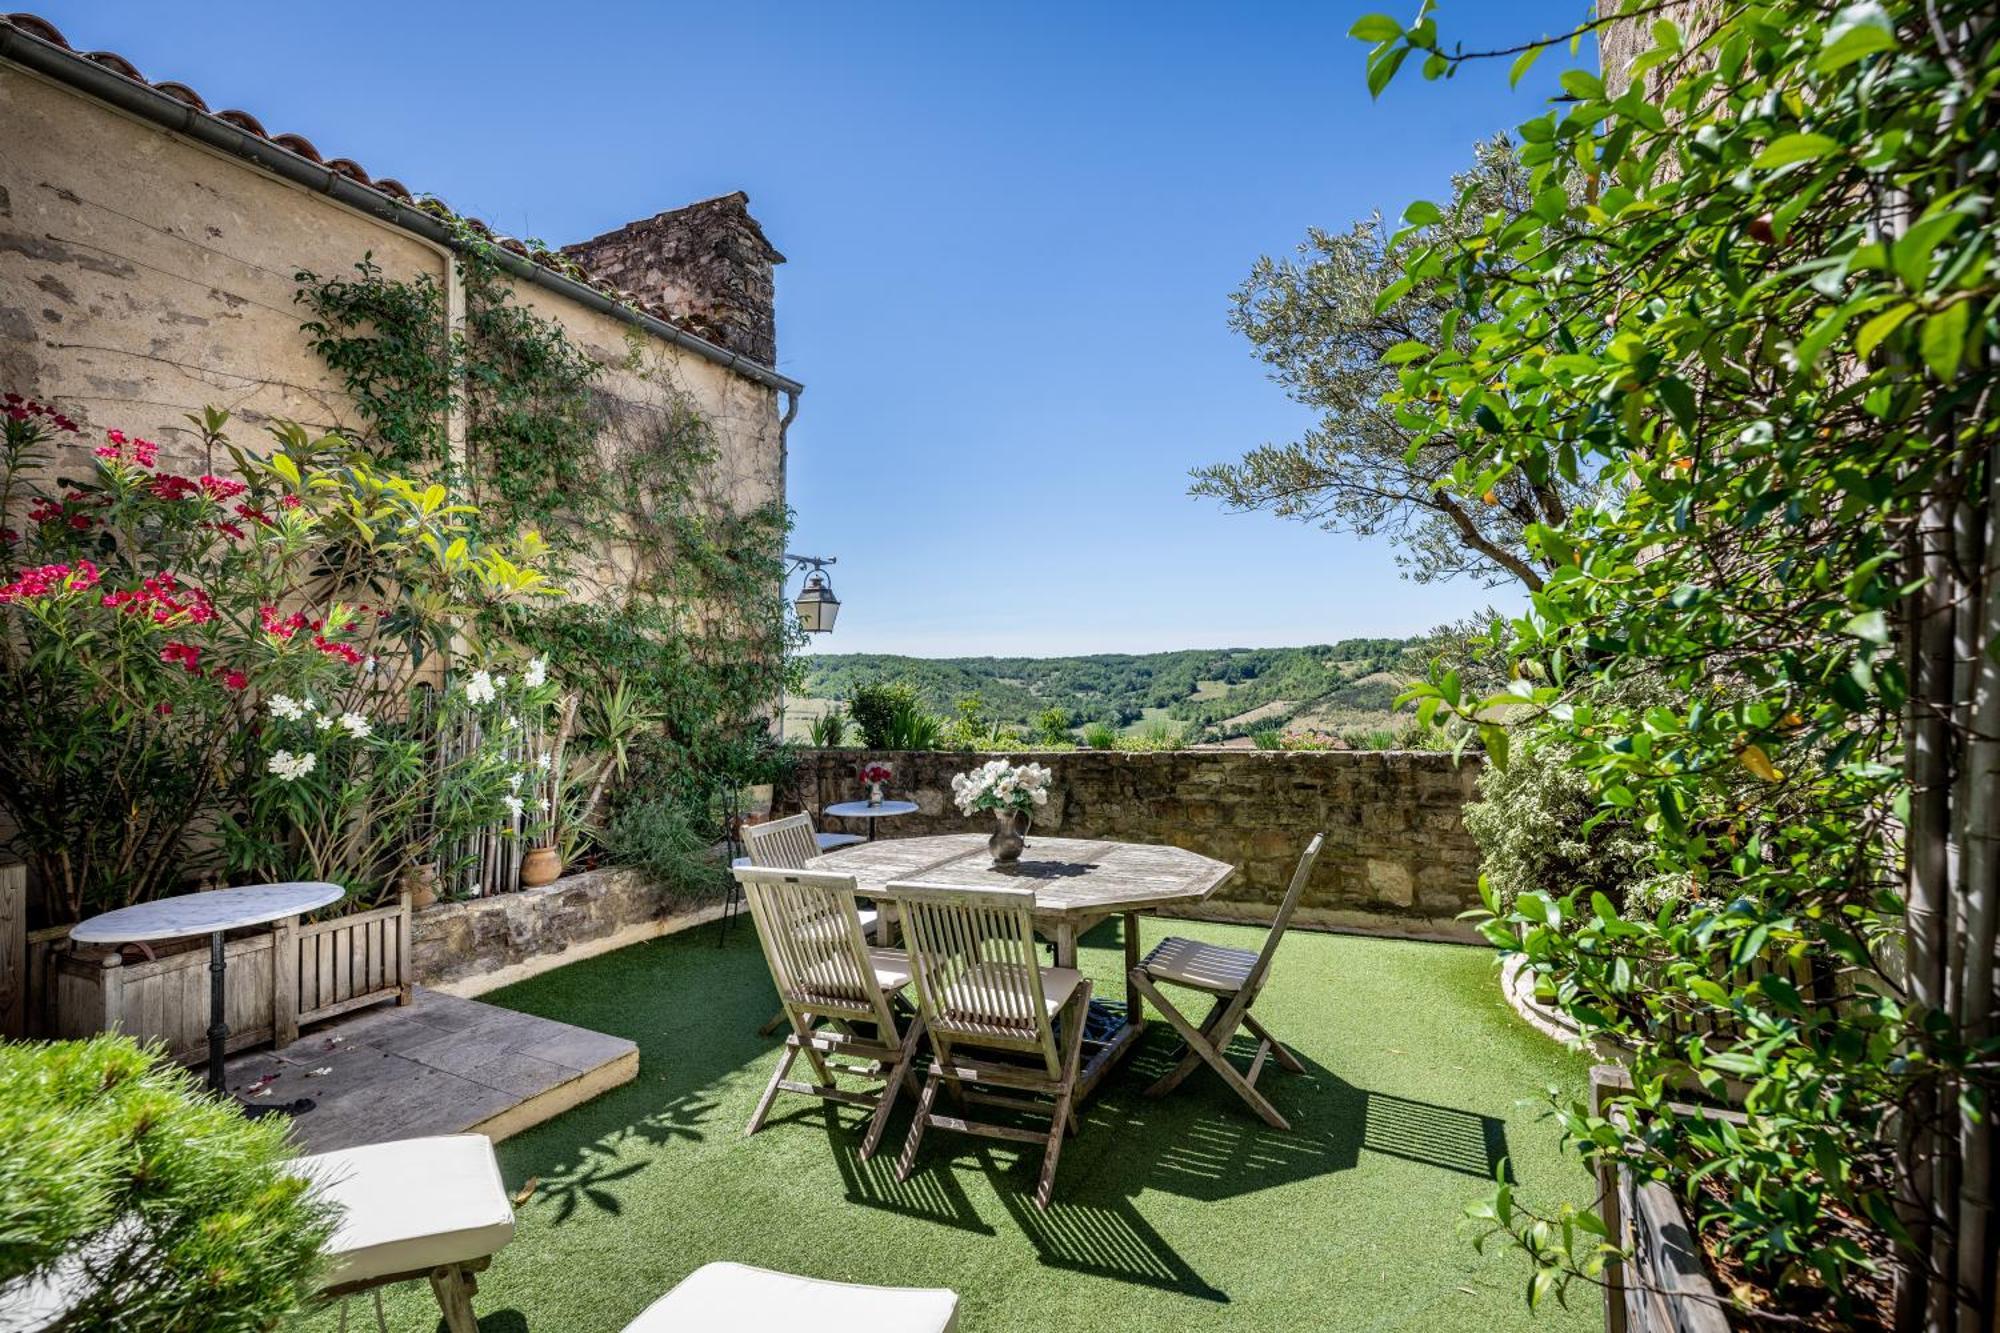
(142, 1202)
(151, 623)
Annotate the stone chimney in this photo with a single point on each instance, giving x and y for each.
(708, 263)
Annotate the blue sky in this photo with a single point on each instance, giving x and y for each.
(1012, 232)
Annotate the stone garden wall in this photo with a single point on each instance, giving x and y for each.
(467, 948)
(1397, 859)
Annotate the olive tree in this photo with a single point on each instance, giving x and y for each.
(1328, 322)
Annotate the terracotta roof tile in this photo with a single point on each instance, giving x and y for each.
(36, 26)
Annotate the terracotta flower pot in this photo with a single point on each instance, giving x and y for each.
(540, 866)
(421, 882)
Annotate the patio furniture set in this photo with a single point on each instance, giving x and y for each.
(967, 983)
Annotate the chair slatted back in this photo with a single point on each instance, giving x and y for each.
(978, 969)
(811, 933)
(1280, 923)
(788, 842)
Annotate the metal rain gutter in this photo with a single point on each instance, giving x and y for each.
(168, 112)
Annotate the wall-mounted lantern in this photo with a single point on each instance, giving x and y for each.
(817, 607)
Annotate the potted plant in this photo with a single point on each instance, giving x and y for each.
(1012, 793)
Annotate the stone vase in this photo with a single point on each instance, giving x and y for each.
(1010, 838)
(539, 867)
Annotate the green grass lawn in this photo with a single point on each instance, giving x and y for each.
(1183, 1214)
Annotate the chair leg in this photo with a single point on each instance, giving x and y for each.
(1208, 1046)
(1190, 1059)
(916, 1135)
(454, 1287)
(893, 1088)
(771, 1089)
(1286, 1060)
(777, 1021)
(1062, 1118)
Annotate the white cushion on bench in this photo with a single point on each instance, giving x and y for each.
(734, 1298)
(829, 841)
(412, 1205)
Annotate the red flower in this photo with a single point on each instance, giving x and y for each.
(290, 502)
(221, 488)
(172, 488)
(187, 656)
(163, 708)
(254, 514)
(163, 599)
(235, 680)
(42, 580)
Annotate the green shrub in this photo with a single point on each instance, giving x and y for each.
(1535, 835)
(1100, 736)
(672, 840)
(186, 1211)
(828, 732)
(1268, 738)
(1159, 734)
(1052, 728)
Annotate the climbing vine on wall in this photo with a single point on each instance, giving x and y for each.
(696, 629)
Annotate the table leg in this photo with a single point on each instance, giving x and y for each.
(1065, 942)
(218, 1029)
(1135, 1011)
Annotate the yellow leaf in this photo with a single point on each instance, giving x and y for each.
(1759, 763)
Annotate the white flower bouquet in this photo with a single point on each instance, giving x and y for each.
(1001, 787)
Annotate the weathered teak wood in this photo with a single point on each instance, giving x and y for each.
(1076, 882)
(787, 842)
(346, 963)
(1233, 978)
(13, 950)
(825, 972)
(981, 986)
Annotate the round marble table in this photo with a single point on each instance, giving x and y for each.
(871, 813)
(210, 914)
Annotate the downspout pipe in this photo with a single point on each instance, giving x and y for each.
(170, 113)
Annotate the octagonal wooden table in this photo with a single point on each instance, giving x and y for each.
(1077, 882)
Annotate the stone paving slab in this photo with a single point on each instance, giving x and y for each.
(438, 1065)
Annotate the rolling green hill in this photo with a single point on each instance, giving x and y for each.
(1214, 693)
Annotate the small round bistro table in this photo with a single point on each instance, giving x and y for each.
(211, 914)
(871, 813)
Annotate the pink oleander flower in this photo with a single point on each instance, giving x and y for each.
(235, 680)
(221, 488)
(186, 656)
(43, 580)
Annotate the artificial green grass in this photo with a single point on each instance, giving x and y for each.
(1186, 1213)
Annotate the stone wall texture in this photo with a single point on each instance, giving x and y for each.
(709, 262)
(475, 945)
(1397, 858)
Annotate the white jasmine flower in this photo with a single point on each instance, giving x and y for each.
(289, 767)
(479, 687)
(536, 674)
(286, 707)
(357, 725)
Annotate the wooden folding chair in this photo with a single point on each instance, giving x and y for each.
(981, 987)
(790, 841)
(827, 973)
(1233, 978)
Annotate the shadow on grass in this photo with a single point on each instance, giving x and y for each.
(694, 1008)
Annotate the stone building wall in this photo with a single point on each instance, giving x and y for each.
(1397, 860)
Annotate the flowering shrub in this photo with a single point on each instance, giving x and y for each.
(150, 623)
(1001, 786)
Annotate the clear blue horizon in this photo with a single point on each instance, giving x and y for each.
(1011, 232)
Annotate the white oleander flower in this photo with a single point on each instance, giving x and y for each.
(479, 687)
(356, 725)
(515, 805)
(289, 767)
(286, 707)
(514, 783)
(325, 721)
(544, 761)
(537, 673)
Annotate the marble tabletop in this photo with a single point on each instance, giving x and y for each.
(863, 810)
(205, 913)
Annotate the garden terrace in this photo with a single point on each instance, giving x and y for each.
(1185, 1212)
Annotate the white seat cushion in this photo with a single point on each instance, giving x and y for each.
(1209, 967)
(986, 987)
(412, 1204)
(829, 841)
(734, 1298)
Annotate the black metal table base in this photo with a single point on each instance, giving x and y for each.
(218, 1044)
